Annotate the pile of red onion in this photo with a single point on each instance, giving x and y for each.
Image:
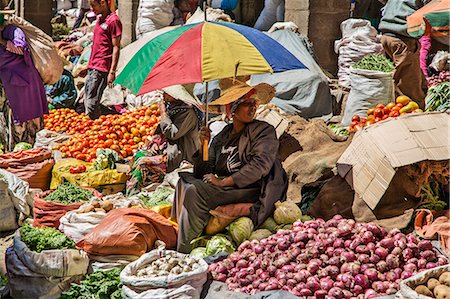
(334, 259)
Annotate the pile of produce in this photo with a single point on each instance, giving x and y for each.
(45, 238)
(3, 280)
(156, 198)
(375, 62)
(338, 130)
(403, 105)
(96, 206)
(438, 287)
(106, 159)
(338, 258)
(68, 121)
(68, 193)
(98, 285)
(170, 264)
(120, 133)
(443, 76)
(438, 98)
(22, 146)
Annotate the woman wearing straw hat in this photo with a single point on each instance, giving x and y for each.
(243, 165)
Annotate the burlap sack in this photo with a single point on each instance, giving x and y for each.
(129, 231)
(20, 158)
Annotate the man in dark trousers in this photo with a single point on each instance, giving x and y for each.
(104, 56)
(403, 49)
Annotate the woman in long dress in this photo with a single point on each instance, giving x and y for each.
(243, 165)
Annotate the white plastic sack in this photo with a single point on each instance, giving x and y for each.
(407, 285)
(183, 292)
(153, 15)
(7, 211)
(369, 88)
(109, 262)
(112, 96)
(52, 263)
(212, 15)
(196, 278)
(45, 57)
(49, 139)
(145, 100)
(20, 194)
(359, 39)
(24, 283)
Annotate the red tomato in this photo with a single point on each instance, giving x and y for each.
(356, 118)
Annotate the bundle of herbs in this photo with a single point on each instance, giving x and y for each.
(68, 193)
(375, 62)
(45, 238)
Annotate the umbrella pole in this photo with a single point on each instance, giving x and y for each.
(205, 143)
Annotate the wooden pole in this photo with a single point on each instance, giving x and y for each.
(205, 143)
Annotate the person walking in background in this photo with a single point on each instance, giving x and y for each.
(403, 49)
(83, 9)
(104, 56)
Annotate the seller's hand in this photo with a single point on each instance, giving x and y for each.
(212, 179)
(49, 100)
(111, 78)
(204, 135)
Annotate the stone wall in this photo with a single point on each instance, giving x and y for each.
(320, 21)
(128, 15)
(37, 12)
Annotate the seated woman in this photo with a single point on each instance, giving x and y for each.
(63, 93)
(242, 168)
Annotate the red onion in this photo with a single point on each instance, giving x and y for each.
(362, 280)
(344, 230)
(339, 284)
(393, 232)
(369, 293)
(410, 268)
(363, 258)
(381, 276)
(428, 255)
(371, 247)
(362, 249)
(368, 237)
(406, 274)
(313, 266)
(241, 264)
(291, 282)
(442, 260)
(320, 294)
(381, 252)
(430, 265)
(372, 274)
(387, 243)
(374, 229)
(392, 261)
(221, 277)
(306, 292)
(410, 238)
(347, 243)
(357, 289)
(379, 286)
(345, 268)
(313, 285)
(347, 256)
(284, 245)
(397, 251)
(263, 286)
(364, 267)
(333, 271)
(326, 283)
(346, 294)
(334, 261)
(347, 279)
(421, 263)
(339, 243)
(354, 268)
(355, 243)
(424, 245)
(374, 258)
(335, 292)
(391, 276)
(259, 249)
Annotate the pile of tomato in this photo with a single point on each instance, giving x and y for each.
(402, 105)
(67, 120)
(122, 133)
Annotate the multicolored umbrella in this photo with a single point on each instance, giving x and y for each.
(203, 52)
(433, 18)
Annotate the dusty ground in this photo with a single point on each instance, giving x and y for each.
(5, 241)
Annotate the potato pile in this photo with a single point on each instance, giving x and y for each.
(96, 206)
(436, 288)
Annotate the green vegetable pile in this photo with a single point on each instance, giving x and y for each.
(45, 238)
(106, 159)
(438, 98)
(3, 280)
(338, 130)
(219, 243)
(156, 198)
(241, 229)
(98, 285)
(375, 62)
(22, 146)
(67, 193)
(59, 31)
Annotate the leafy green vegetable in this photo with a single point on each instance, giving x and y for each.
(375, 62)
(3, 280)
(219, 243)
(98, 285)
(45, 238)
(241, 229)
(199, 252)
(260, 234)
(286, 212)
(67, 193)
(430, 197)
(22, 146)
(438, 98)
(59, 31)
(269, 224)
(106, 159)
(156, 198)
(338, 130)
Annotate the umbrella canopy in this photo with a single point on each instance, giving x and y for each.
(203, 52)
(433, 18)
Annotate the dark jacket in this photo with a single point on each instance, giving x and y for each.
(258, 152)
(181, 132)
(393, 21)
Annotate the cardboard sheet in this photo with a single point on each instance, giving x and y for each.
(377, 151)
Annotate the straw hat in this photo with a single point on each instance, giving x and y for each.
(178, 92)
(234, 89)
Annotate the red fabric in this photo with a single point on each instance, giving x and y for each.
(425, 47)
(104, 32)
(162, 74)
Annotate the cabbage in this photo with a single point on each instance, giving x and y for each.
(269, 224)
(218, 244)
(22, 146)
(286, 212)
(260, 234)
(241, 229)
(199, 252)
